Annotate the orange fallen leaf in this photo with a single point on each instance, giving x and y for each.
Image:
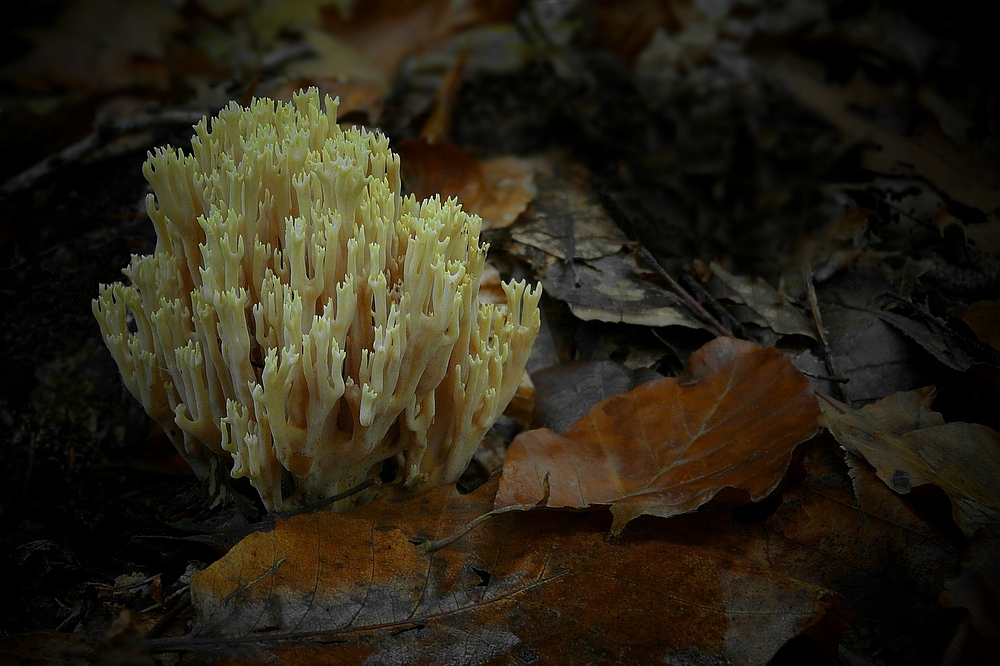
(909, 445)
(509, 184)
(440, 168)
(730, 420)
(520, 588)
(497, 189)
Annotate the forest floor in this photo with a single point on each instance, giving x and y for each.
(784, 216)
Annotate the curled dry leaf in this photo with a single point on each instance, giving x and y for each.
(519, 588)
(910, 445)
(730, 420)
(772, 309)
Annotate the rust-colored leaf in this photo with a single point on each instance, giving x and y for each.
(498, 189)
(440, 168)
(543, 587)
(567, 391)
(909, 445)
(667, 447)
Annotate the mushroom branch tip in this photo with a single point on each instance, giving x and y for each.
(302, 320)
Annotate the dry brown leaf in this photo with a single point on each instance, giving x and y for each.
(730, 420)
(519, 588)
(567, 391)
(510, 187)
(356, 97)
(773, 308)
(498, 189)
(909, 445)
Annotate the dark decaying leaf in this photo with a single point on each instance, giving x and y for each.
(941, 162)
(584, 259)
(976, 588)
(540, 587)
(866, 347)
(566, 392)
(765, 305)
(983, 317)
(840, 527)
(730, 420)
(910, 445)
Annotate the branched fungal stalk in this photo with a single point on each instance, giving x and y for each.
(302, 319)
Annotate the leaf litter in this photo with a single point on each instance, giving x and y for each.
(528, 587)
(725, 133)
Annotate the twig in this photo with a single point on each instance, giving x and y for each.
(807, 277)
(168, 617)
(827, 378)
(712, 304)
(621, 218)
(102, 135)
(364, 485)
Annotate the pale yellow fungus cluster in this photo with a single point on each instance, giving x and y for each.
(302, 320)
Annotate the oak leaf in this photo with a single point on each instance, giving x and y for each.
(730, 420)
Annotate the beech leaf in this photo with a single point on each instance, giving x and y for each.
(730, 420)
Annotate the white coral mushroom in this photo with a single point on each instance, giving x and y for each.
(302, 319)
